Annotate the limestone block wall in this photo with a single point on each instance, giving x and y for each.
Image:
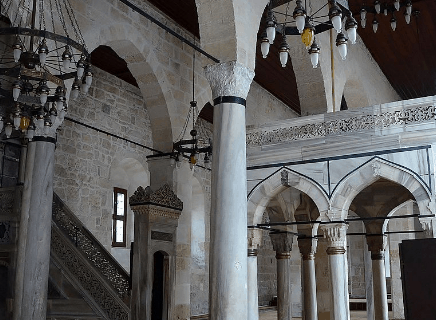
(89, 164)
(356, 263)
(263, 107)
(266, 271)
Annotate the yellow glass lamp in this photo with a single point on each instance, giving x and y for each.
(24, 123)
(308, 35)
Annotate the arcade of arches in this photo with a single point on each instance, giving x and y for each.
(301, 211)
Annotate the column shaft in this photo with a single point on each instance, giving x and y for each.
(37, 213)
(253, 300)
(310, 308)
(380, 292)
(337, 275)
(284, 286)
(228, 261)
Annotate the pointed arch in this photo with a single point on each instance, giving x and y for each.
(369, 172)
(283, 178)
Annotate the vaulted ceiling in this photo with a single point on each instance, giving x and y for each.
(405, 56)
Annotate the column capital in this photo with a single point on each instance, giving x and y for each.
(254, 238)
(229, 79)
(307, 248)
(376, 244)
(282, 244)
(336, 237)
(428, 224)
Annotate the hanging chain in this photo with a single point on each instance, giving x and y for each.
(61, 18)
(74, 23)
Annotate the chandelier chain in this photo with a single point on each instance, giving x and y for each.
(56, 44)
(76, 28)
(42, 23)
(61, 18)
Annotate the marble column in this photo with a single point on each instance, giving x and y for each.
(282, 244)
(377, 245)
(308, 249)
(254, 237)
(368, 285)
(336, 238)
(230, 83)
(35, 231)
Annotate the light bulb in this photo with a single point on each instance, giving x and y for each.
(407, 17)
(284, 52)
(385, 11)
(43, 51)
(30, 133)
(351, 28)
(43, 97)
(335, 15)
(393, 24)
(16, 88)
(300, 21)
(43, 91)
(24, 123)
(409, 7)
(80, 67)
(8, 129)
(375, 25)
(352, 35)
(17, 49)
(341, 43)
(314, 54)
(377, 6)
(271, 27)
(1, 123)
(363, 14)
(66, 58)
(264, 47)
(337, 23)
(75, 89)
(363, 23)
(88, 77)
(397, 5)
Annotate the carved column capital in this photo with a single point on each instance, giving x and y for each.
(428, 225)
(282, 244)
(254, 238)
(336, 237)
(229, 79)
(377, 245)
(307, 248)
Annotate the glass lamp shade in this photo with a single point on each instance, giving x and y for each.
(393, 24)
(397, 5)
(409, 8)
(42, 52)
(43, 97)
(53, 117)
(66, 58)
(59, 105)
(377, 6)
(75, 93)
(8, 129)
(40, 122)
(271, 34)
(337, 23)
(375, 25)
(88, 77)
(363, 23)
(300, 21)
(24, 123)
(30, 133)
(17, 120)
(66, 63)
(314, 58)
(343, 51)
(352, 34)
(80, 67)
(385, 11)
(283, 58)
(363, 14)
(17, 54)
(84, 88)
(407, 17)
(46, 129)
(308, 36)
(16, 92)
(264, 47)
(1, 123)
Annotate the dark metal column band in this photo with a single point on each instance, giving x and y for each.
(229, 99)
(308, 256)
(378, 255)
(252, 252)
(283, 255)
(335, 250)
(45, 139)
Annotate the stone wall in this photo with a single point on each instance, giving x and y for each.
(266, 271)
(356, 263)
(85, 159)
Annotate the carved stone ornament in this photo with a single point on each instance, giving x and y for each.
(335, 234)
(163, 197)
(282, 242)
(340, 126)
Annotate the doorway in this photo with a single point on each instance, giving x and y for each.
(160, 292)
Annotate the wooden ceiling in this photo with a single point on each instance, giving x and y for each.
(406, 56)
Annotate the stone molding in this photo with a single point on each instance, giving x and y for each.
(229, 79)
(252, 252)
(307, 248)
(282, 242)
(338, 126)
(335, 234)
(376, 243)
(163, 197)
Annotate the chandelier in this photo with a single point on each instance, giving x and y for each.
(42, 50)
(309, 25)
(197, 144)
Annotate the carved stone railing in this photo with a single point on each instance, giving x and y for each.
(96, 269)
(320, 126)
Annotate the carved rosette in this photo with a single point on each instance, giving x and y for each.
(163, 197)
(336, 237)
(229, 79)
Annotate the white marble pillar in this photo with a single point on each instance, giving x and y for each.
(35, 232)
(336, 237)
(377, 245)
(308, 250)
(230, 83)
(368, 286)
(254, 238)
(282, 244)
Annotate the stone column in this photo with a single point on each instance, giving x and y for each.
(336, 238)
(377, 245)
(282, 244)
(307, 249)
(254, 237)
(368, 285)
(35, 231)
(230, 83)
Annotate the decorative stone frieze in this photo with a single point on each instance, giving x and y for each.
(163, 197)
(229, 79)
(346, 125)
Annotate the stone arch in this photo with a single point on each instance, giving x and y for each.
(365, 175)
(271, 186)
(355, 94)
(228, 28)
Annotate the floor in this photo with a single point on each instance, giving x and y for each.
(272, 315)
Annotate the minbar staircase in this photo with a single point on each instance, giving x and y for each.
(89, 268)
